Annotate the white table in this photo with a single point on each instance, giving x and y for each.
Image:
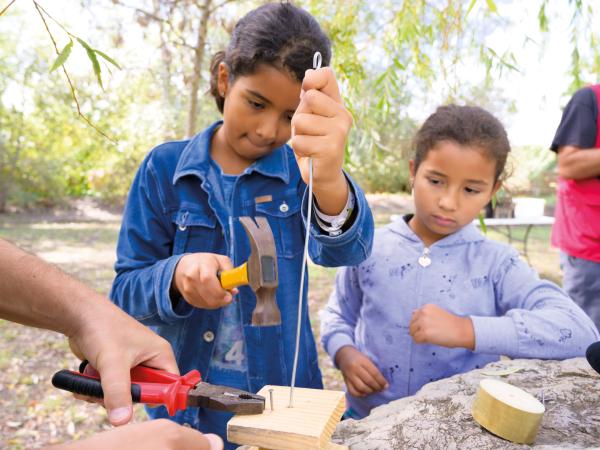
(511, 222)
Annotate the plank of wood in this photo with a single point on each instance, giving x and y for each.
(308, 425)
(330, 446)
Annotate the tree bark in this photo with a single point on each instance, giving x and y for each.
(197, 76)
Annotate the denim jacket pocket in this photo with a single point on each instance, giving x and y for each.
(265, 356)
(194, 232)
(283, 214)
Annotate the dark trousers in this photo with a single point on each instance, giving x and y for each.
(581, 280)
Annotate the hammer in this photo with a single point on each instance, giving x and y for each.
(260, 271)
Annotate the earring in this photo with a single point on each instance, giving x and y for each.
(222, 94)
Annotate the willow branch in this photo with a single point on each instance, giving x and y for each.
(6, 7)
(73, 93)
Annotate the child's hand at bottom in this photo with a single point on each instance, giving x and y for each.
(431, 324)
(360, 374)
(196, 280)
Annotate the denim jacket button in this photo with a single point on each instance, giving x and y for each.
(183, 220)
(284, 207)
(208, 336)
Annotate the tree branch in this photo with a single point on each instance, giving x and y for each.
(73, 93)
(6, 7)
(37, 5)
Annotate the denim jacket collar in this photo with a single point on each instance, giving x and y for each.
(195, 159)
(467, 234)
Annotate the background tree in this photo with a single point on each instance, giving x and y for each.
(396, 60)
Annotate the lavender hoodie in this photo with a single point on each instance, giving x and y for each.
(514, 312)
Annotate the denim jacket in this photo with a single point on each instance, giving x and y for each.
(175, 207)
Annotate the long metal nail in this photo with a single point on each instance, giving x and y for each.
(271, 398)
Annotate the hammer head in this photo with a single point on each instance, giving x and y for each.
(262, 270)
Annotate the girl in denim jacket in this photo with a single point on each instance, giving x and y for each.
(181, 222)
(437, 298)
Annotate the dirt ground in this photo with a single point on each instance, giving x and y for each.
(81, 240)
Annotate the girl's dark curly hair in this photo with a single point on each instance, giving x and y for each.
(466, 125)
(278, 34)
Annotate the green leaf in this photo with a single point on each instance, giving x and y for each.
(62, 56)
(398, 64)
(92, 56)
(491, 50)
(470, 7)
(347, 157)
(380, 78)
(543, 18)
(84, 44)
(509, 65)
(482, 223)
(108, 58)
(492, 6)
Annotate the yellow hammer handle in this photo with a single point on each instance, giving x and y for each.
(234, 277)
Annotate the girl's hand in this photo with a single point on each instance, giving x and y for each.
(361, 376)
(196, 280)
(431, 324)
(320, 128)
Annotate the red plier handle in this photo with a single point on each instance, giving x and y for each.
(147, 385)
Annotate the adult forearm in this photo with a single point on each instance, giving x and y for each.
(578, 164)
(36, 293)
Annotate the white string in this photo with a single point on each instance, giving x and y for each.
(317, 60)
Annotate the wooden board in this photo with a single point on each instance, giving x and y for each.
(308, 425)
(330, 446)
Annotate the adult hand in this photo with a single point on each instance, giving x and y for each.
(361, 376)
(35, 293)
(161, 434)
(113, 343)
(431, 324)
(320, 128)
(196, 280)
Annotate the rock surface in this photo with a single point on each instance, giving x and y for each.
(439, 415)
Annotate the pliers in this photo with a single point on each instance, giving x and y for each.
(175, 392)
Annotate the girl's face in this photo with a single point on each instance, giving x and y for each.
(257, 113)
(451, 186)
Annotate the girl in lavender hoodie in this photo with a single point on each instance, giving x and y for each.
(437, 298)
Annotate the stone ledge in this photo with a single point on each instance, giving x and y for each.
(439, 415)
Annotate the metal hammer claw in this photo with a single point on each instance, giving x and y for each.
(260, 271)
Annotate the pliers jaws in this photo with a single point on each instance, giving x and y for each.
(224, 398)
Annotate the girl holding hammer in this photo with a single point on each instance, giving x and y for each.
(181, 222)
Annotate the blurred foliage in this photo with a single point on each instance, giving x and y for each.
(531, 171)
(395, 61)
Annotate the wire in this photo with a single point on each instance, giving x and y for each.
(317, 61)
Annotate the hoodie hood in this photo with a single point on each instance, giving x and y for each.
(466, 235)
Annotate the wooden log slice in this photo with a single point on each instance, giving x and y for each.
(507, 411)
